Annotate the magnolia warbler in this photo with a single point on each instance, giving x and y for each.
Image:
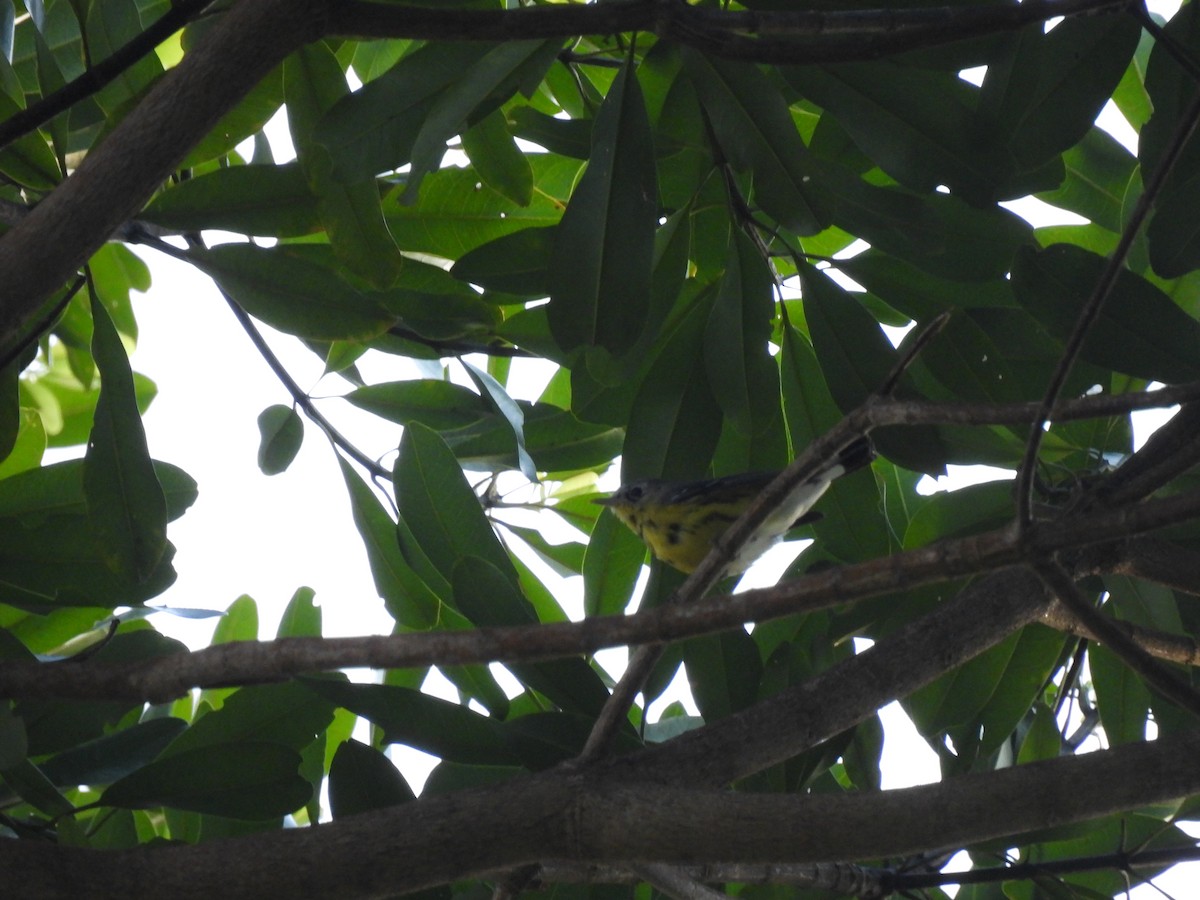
(679, 520)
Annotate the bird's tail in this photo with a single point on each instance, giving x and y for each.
(856, 455)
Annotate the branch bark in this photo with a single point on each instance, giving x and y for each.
(603, 819)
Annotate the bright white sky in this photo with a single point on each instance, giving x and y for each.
(265, 537)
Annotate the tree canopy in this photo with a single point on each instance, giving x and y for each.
(714, 220)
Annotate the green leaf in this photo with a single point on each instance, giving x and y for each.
(499, 161)
(438, 727)
(1043, 97)
(28, 160)
(1122, 698)
(1099, 171)
(292, 289)
(126, 505)
(281, 433)
(29, 444)
(251, 780)
(244, 120)
(113, 756)
(675, 421)
(439, 506)
(938, 233)
(757, 134)
(350, 211)
(603, 250)
(301, 617)
(272, 201)
(362, 779)
(456, 212)
(240, 622)
(723, 672)
(408, 598)
(440, 405)
(556, 440)
(109, 26)
(489, 599)
(611, 567)
(514, 263)
(916, 124)
(502, 405)
(740, 369)
(288, 714)
(1139, 330)
(373, 129)
(488, 81)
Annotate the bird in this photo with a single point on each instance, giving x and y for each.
(680, 520)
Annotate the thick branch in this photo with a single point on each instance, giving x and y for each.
(767, 36)
(118, 177)
(603, 819)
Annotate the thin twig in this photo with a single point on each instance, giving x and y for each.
(1091, 309)
(102, 73)
(299, 396)
(1116, 639)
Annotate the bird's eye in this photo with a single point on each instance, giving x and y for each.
(634, 493)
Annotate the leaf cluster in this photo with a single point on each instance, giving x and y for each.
(712, 258)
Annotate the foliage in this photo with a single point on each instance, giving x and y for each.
(723, 243)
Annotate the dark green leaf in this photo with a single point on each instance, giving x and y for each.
(497, 158)
(250, 780)
(756, 132)
(291, 288)
(611, 567)
(489, 599)
(1139, 331)
(439, 506)
(440, 405)
(915, 124)
(675, 422)
(408, 598)
(1043, 97)
(514, 263)
(603, 250)
(113, 756)
(349, 210)
(273, 201)
(361, 779)
(288, 714)
(488, 81)
(456, 212)
(373, 129)
(740, 369)
(723, 672)
(281, 431)
(126, 505)
(438, 727)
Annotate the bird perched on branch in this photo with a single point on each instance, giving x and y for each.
(679, 520)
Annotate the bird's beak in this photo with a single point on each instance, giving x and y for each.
(605, 501)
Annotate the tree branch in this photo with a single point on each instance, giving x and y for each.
(766, 36)
(603, 819)
(163, 679)
(118, 176)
